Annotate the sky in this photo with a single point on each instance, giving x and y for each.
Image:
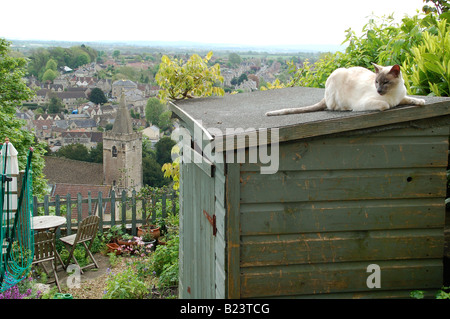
(245, 22)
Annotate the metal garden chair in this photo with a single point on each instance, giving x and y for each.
(44, 250)
(87, 230)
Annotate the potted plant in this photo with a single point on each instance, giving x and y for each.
(114, 248)
(111, 237)
(152, 230)
(151, 194)
(148, 241)
(113, 234)
(126, 240)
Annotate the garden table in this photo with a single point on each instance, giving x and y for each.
(49, 223)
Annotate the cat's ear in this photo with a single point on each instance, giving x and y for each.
(395, 70)
(377, 67)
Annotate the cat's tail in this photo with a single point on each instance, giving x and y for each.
(312, 108)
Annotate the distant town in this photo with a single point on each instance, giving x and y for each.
(63, 112)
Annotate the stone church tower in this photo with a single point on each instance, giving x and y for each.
(122, 153)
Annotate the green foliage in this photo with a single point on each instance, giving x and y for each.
(13, 91)
(172, 170)
(163, 150)
(55, 105)
(439, 6)
(151, 169)
(419, 44)
(427, 69)
(97, 96)
(441, 294)
(125, 285)
(179, 80)
(42, 60)
(164, 263)
(158, 114)
(79, 152)
(152, 174)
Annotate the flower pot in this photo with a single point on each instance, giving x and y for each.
(114, 248)
(123, 242)
(152, 229)
(153, 243)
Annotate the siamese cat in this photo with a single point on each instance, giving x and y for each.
(359, 89)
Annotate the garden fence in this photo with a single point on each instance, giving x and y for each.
(130, 211)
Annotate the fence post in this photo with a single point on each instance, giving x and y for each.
(133, 213)
(69, 215)
(57, 213)
(124, 208)
(144, 210)
(163, 206)
(46, 205)
(100, 211)
(89, 204)
(79, 209)
(113, 208)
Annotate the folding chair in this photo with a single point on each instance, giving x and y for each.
(44, 250)
(87, 230)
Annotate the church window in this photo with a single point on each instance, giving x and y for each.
(114, 151)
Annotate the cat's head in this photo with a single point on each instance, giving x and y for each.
(387, 78)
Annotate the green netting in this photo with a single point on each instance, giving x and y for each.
(16, 233)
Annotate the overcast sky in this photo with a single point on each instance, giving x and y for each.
(209, 21)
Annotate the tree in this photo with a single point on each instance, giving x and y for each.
(152, 173)
(49, 75)
(153, 110)
(51, 65)
(55, 105)
(13, 90)
(163, 150)
(96, 154)
(234, 58)
(76, 151)
(116, 54)
(440, 6)
(97, 96)
(151, 169)
(179, 80)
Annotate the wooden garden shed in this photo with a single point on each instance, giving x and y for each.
(349, 190)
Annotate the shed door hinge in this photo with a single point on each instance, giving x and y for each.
(212, 221)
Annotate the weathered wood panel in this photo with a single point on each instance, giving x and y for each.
(340, 203)
(220, 246)
(338, 278)
(233, 231)
(397, 150)
(197, 246)
(333, 247)
(343, 185)
(306, 217)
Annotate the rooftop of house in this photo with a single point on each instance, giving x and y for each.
(62, 170)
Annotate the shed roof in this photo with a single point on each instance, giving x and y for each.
(247, 110)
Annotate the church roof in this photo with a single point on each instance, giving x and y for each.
(123, 124)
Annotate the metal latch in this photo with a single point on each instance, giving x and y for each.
(212, 221)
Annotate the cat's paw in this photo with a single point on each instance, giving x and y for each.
(420, 102)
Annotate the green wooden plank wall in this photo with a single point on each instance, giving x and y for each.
(338, 204)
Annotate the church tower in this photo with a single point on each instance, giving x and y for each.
(122, 153)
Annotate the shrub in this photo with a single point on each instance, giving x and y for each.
(164, 263)
(427, 69)
(125, 285)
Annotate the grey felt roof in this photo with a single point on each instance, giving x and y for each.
(248, 110)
